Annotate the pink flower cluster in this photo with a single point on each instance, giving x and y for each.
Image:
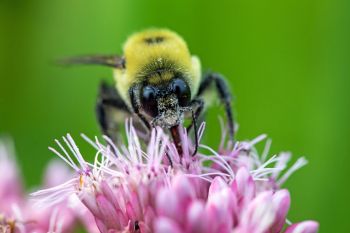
(18, 212)
(146, 186)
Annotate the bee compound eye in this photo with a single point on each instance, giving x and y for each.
(149, 100)
(182, 91)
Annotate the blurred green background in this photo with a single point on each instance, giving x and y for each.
(287, 63)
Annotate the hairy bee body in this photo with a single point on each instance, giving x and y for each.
(158, 81)
(156, 55)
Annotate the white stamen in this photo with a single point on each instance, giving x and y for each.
(72, 165)
(201, 131)
(224, 163)
(298, 164)
(266, 150)
(67, 155)
(88, 140)
(76, 151)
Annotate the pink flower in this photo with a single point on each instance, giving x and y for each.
(10, 183)
(135, 188)
(17, 212)
(120, 187)
(225, 209)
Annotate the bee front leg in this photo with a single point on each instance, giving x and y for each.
(224, 93)
(198, 105)
(110, 111)
(133, 92)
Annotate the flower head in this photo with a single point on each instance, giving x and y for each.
(153, 188)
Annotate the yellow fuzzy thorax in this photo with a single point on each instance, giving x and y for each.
(138, 52)
(151, 49)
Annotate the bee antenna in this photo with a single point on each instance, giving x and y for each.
(103, 60)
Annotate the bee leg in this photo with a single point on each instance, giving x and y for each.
(108, 107)
(224, 93)
(197, 104)
(136, 106)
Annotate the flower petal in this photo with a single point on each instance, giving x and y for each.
(108, 213)
(243, 185)
(166, 225)
(303, 227)
(197, 219)
(259, 215)
(281, 201)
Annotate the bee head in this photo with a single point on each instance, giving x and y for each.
(166, 103)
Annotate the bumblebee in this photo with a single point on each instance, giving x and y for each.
(158, 81)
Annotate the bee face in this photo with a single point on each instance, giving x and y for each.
(166, 103)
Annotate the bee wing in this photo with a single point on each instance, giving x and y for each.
(104, 60)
